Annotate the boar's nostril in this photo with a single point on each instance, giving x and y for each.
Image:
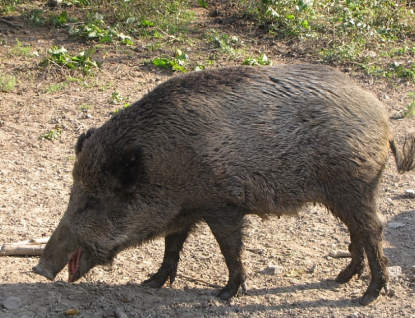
(39, 270)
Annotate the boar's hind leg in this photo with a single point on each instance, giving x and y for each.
(357, 265)
(173, 245)
(366, 233)
(226, 226)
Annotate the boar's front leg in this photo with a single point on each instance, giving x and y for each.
(226, 225)
(173, 245)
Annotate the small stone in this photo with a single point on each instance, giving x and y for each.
(273, 270)
(12, 303)
(412, 269)
(395, 225)
(394, 271)
(410, 193)
(354, 315)
(340, 254)
(119, 313)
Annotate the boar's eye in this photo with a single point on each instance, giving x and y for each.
(127, 167)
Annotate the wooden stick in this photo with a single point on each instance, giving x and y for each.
(10, 24)
(42, 240)
(22, 250)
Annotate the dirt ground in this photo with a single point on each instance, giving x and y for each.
(35, 179)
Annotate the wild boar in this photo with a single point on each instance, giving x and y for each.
(217, 145)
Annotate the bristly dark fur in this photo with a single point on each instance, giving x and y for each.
(216, 145)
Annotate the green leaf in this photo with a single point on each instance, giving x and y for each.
(162, 62)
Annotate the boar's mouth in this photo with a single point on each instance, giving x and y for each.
(74, 268)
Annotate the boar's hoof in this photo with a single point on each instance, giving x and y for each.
(369, 297)
(229, 291)
(351, 270)
(154, 282)
(158, 279)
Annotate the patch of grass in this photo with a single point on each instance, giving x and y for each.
(19, 50)
(203, 3)
(52, 134)
(410, 108)
(85, 107)
(368, 34)
(116, 98)
(56, 87)
(126, 105)
(262, 60)
(96, 29)
(7, 82)
(82, 62)
(228, 44)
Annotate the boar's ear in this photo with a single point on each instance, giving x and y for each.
(128, 165)
(81, 140)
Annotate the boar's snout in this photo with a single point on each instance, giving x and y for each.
(39, 269)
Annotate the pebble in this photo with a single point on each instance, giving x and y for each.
(412, 269)
(410, 193)
(273, 270)
(340, 254)
(354, 315)
(119, 313)
(394, 271)
(12, 303)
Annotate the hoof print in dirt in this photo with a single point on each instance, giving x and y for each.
(216, 145)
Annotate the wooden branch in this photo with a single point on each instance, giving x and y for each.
(22, 250)
(8, 23)
(32, 247)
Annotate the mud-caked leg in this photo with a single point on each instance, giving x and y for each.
(366, 234)
(173, 245)
(372, 237)
(357, 264)
(226, 226)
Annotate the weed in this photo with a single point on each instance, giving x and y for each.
(203, 3)
(83, 61)
(96, 30)
(60, 20)
(52, 88)
(262, 60)
(122, 108)
(410, 108)
(226, 43)
(85, 107)
(7, 82)
(20, 50)
(52, 134)
(176, 64)
(116, 98)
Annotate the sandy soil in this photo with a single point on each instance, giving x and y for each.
(35, 178)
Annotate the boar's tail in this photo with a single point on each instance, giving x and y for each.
(405, 159)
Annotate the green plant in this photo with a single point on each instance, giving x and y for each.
(226, 43)
(410, 108)
(85, 107)
(176, 64)
(7, 82)
(203, 3)
(116, 98)
(83, 61)
(52, 88)
(19, 50)
(126, 105)
(95, 29)
(60, 20)
(52, 134)
(262, 60)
